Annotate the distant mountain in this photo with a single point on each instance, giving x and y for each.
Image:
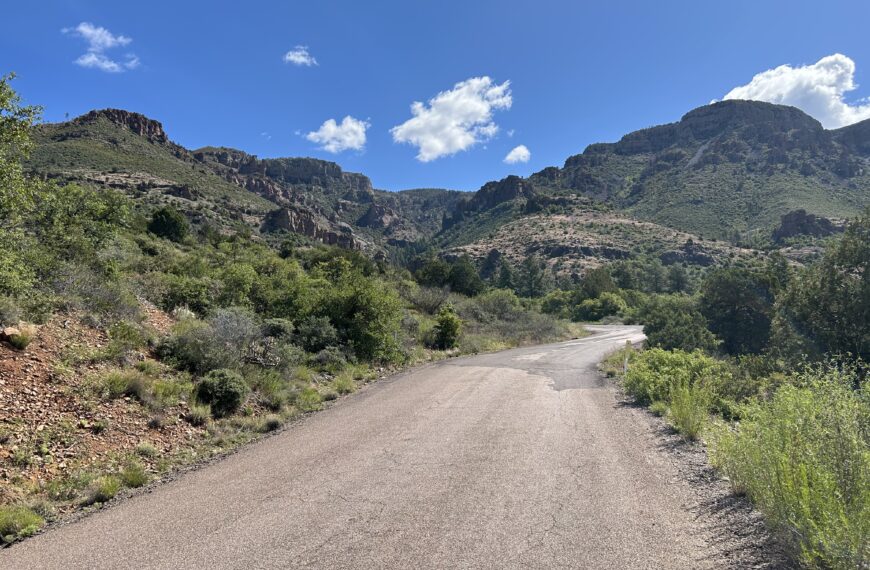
(726, 167)
(726, 173)
(228, 187)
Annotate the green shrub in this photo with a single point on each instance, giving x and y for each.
(224, 390)
(803, 457)
(316, 333)
(659, 408)
(654, 373)
(10, 313)
(689, 408)
(125, 337)
(224, 341)
(134, 475)
(18, 522)
(608, 304)
(330, 358)
(169, 223)
(447, 328)
(102, 489)
(674, 322)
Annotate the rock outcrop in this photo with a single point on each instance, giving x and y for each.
(305, 222)
(800, 223)
(138, 123)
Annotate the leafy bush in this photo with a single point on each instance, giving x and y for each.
(447, 328)
(655, 373)
(803, 457)
(224, 390)
(330, 358)
(169, 223)
(502, 304)
(673, 322)
(316, 333)
(10, 312)
(606, 305)
(428, 299)
(18, 522)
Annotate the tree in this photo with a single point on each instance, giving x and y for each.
(595, 282)
(505, 276)
(678, 279)
(464, 278)
(826, 308)
(674, 322)
(532, 279)
(738, 306)
(491, 265)
(169, 223)
(435, 272)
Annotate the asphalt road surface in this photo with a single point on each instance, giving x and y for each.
(522, 458)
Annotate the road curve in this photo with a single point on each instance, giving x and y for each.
(521, 458)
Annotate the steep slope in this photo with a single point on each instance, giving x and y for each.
(726, 167)
(228, 188)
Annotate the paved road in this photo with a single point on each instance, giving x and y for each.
(516, 459)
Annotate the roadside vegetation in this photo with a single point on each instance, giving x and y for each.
(169, 340)
(768, 366)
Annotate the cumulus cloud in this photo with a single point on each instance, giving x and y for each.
(335, 137)
(454, 120)
(818, 89)
(99, 40)
(300, 56)
(518, 154)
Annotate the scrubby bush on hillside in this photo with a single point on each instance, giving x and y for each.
(169, 223)
(223, 390)
(316, 333)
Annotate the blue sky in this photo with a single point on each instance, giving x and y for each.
(234, 74)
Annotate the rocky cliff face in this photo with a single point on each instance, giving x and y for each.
(139, 124)
(307, 223)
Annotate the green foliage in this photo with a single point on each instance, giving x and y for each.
(102, 489)
(803, 457)
(133, 475)
(316, 333)
(689, 407)
(738, 306)
(655, 373)
(118, 383)
(223, 390)
(309, 399)
(826, 308)
(595, 283)
(674, 322)
(169, 223)
(198, 414)
(532, 279)
(17, 521)
(448, 328)
(607, 304)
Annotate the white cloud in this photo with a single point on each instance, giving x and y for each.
(300, 56)
(334, 137)
(518, 154)
(455, 120)
(99, 40)
(817, 89)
